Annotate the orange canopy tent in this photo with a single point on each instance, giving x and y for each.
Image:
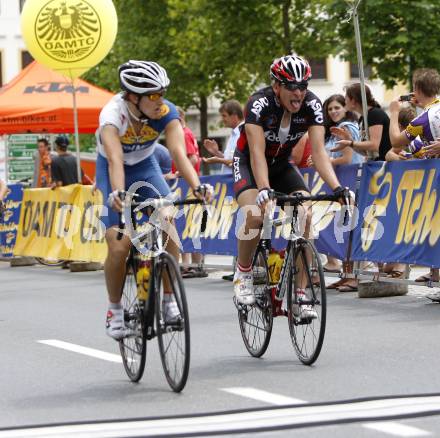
(40, 100)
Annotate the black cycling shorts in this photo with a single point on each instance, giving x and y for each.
(283, 177)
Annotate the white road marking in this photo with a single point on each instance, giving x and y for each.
(82, 350)
(396, 429)
(273, 418)
(264, 396)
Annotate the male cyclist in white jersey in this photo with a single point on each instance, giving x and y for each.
(129, 127)
(276, 117)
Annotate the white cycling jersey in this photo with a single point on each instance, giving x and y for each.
(136, 148)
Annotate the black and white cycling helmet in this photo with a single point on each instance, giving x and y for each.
(143, 77)
(290, 69)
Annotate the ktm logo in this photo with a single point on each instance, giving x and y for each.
(68, 31)
(54, 87)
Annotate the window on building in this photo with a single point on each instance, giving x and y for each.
(26, 58)
(21, 2)
(354, 71)
(319, 68)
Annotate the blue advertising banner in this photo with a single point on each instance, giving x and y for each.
(400, 214)
(10, 219)
(223, 226)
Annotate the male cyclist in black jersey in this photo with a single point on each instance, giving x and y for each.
(276, 118)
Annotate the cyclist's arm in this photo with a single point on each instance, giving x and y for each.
(257, 146)
(115, 156)
(176, 145)
(320, 157)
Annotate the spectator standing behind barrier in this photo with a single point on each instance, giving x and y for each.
(64, 165)
(406, 114)
(231, 113)
(192, 152)
(301, 153)
(3, 191)
(337, 118)
(336, 115)
(43, 161)
(232, 117)
(426, 87)
(163, 158)
(378, 125)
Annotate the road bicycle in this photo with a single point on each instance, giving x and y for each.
(148, 268)
(301, 271)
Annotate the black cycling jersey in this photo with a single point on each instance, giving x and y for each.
(263, 109)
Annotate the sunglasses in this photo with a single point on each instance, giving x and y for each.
(155, 96)
(302, 86)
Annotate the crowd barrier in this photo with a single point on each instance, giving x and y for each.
(397, 218)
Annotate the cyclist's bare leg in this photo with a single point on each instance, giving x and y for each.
(114, 266)
(249, 233)
(304, 224)
(171, 242)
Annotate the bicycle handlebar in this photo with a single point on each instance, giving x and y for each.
(157, 203)
(299, 198)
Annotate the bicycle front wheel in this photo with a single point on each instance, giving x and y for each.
(133, 347)
(256, 320)
(306, 302)
(172, 322)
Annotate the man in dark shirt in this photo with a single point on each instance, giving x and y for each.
(64, 167)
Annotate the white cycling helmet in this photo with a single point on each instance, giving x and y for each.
(290, 69)
(142, 77)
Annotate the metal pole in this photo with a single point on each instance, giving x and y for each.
(75, 121)
(357, 33)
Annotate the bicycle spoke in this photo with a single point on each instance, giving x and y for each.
(256, 320)
(173, 337)
(306, 311)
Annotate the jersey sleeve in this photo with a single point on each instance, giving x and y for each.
(169, 113)
(110, 116)
(315, 115)
(255, 109)
(415, 127)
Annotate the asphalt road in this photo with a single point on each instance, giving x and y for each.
(381, 349)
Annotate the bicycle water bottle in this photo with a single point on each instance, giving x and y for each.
(143, 279)
(275, 263)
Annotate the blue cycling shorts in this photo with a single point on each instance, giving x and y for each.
(147, 170)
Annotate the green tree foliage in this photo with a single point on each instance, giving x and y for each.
(398, 36)
(214, 47)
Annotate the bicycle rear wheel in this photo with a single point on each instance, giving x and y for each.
(256, 320)
(173, 334)
(134, 346)
(306, 273)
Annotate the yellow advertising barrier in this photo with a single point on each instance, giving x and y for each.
(62, 224)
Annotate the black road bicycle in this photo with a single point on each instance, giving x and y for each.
(143, 312)
(301, 270)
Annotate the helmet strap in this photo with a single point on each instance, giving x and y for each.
(142, 118)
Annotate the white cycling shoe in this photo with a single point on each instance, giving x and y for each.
(303, 311)
(115, 324)
(170, 311)
(244, 287)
